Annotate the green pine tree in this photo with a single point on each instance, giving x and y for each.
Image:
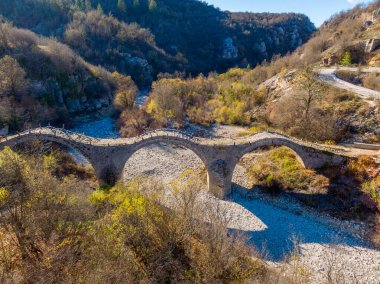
(121, 6)
(79, 4)
(100, 9)
(88, 5)
(346, 60)
(152, 5)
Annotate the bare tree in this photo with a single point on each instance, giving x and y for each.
(13, 80)
(310, 89)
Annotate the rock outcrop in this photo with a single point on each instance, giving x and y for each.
(230, 51)
(372, 45)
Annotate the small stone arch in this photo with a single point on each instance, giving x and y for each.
(16, 140)
(301, 155)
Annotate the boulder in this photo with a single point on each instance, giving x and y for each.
(281, 31)
(98, 104)
(104, 101)
(36, 87)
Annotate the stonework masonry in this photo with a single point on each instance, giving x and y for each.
(220, 156)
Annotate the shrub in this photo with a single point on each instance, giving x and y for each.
(373, 188)
(279, 169)
(361, 167)
(170, 246)
(347, 76)
(125, 93)
(4, 194)
(346, 60)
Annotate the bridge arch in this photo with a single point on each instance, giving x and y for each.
(28, 137)
(172, 140)
(299, 151)
(239, 174)
(197, 155)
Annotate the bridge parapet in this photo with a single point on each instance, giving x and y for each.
(56, 132)
(80, 138)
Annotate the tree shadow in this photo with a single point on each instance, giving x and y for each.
(283, 226)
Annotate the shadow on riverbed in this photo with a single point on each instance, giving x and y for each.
(283, 226)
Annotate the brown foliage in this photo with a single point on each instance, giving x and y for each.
(125, 93)
(13, 80)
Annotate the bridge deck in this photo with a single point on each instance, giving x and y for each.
(83, 139)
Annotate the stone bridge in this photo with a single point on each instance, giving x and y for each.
(220, 156)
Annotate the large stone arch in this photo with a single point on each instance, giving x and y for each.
(173, 141)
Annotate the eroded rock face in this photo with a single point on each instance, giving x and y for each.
(230, 51)
(76, 97)
(142, 70)
(372, 45)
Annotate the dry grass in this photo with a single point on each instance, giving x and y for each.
(372, 81)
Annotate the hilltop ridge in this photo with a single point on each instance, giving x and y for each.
(142, 40)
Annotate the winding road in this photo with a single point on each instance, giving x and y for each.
(328, 75)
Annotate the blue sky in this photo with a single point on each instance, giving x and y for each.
(317, 10)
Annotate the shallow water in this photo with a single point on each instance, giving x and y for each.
(100, 128)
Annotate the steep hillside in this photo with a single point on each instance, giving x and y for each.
(169, 36)
(44, 81)
(356, 31)
(352, 35)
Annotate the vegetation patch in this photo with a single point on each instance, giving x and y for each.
(279, 169)
(55, 229)
(367, 80)
(350, 192)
